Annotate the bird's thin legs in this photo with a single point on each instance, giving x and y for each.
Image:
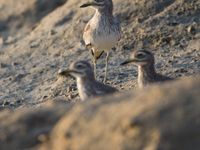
(95, 66)
(106, 67)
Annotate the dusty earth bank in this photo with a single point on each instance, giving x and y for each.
(162, 118)
(38, 37)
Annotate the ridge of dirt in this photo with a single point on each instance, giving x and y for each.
(158, 117)
(170, 29)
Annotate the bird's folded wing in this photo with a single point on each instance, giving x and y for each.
(87, 35)
(117, 22)
(104, 89)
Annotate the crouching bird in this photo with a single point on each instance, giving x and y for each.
(146, 68)
(87, 85)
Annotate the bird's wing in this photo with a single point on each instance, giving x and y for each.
(104, 89)
(117, 23)
(87, 34)
(88, 41)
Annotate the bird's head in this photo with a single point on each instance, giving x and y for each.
(78, 69)
(140, 58)
(99, 4)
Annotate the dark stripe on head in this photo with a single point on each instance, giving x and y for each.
(143, 51)
(84, 63)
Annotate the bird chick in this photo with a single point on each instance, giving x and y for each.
(86, 83)
(146, 68)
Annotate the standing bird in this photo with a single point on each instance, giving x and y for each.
(146, 68)
(102, 32)
(86, 83)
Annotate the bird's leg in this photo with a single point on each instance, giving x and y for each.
(94, 62)
(106, 67)
(95, 66)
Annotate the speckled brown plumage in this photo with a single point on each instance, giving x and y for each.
(87, 85)
(102, 32)
(146, 68)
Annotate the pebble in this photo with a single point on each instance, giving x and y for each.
(6, 103)
(34, 44)
(15, 63)
(191, 29)
(19, 101)
(12, 104)
(52, 32)
(44, 97)
(28, 89)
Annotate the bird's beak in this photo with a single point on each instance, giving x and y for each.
(88, 4)
(129, 61)
(66, 72)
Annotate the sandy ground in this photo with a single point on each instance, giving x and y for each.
(41, 111)
(162, 117)
(39, 37)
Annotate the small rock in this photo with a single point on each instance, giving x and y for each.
(19, 101)
(52, 32)
(173, 42)
(44, 97)
(41, 71)
(53, 66)
(15, 63)
(12, 104)
(34, 44)
(172, 23)
(6, 103)
(191, 29)
(170, 61)
(139, 20)
(28, 89)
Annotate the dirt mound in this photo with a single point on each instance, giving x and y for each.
(159, 117)
(29, 65)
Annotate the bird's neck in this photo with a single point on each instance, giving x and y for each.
(82, 81)
(83, 84)
(106, 13)
(146, 74)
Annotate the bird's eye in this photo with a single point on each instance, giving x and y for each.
(79, 66)
(140, 56)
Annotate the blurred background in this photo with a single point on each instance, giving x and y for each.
(19, 17)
